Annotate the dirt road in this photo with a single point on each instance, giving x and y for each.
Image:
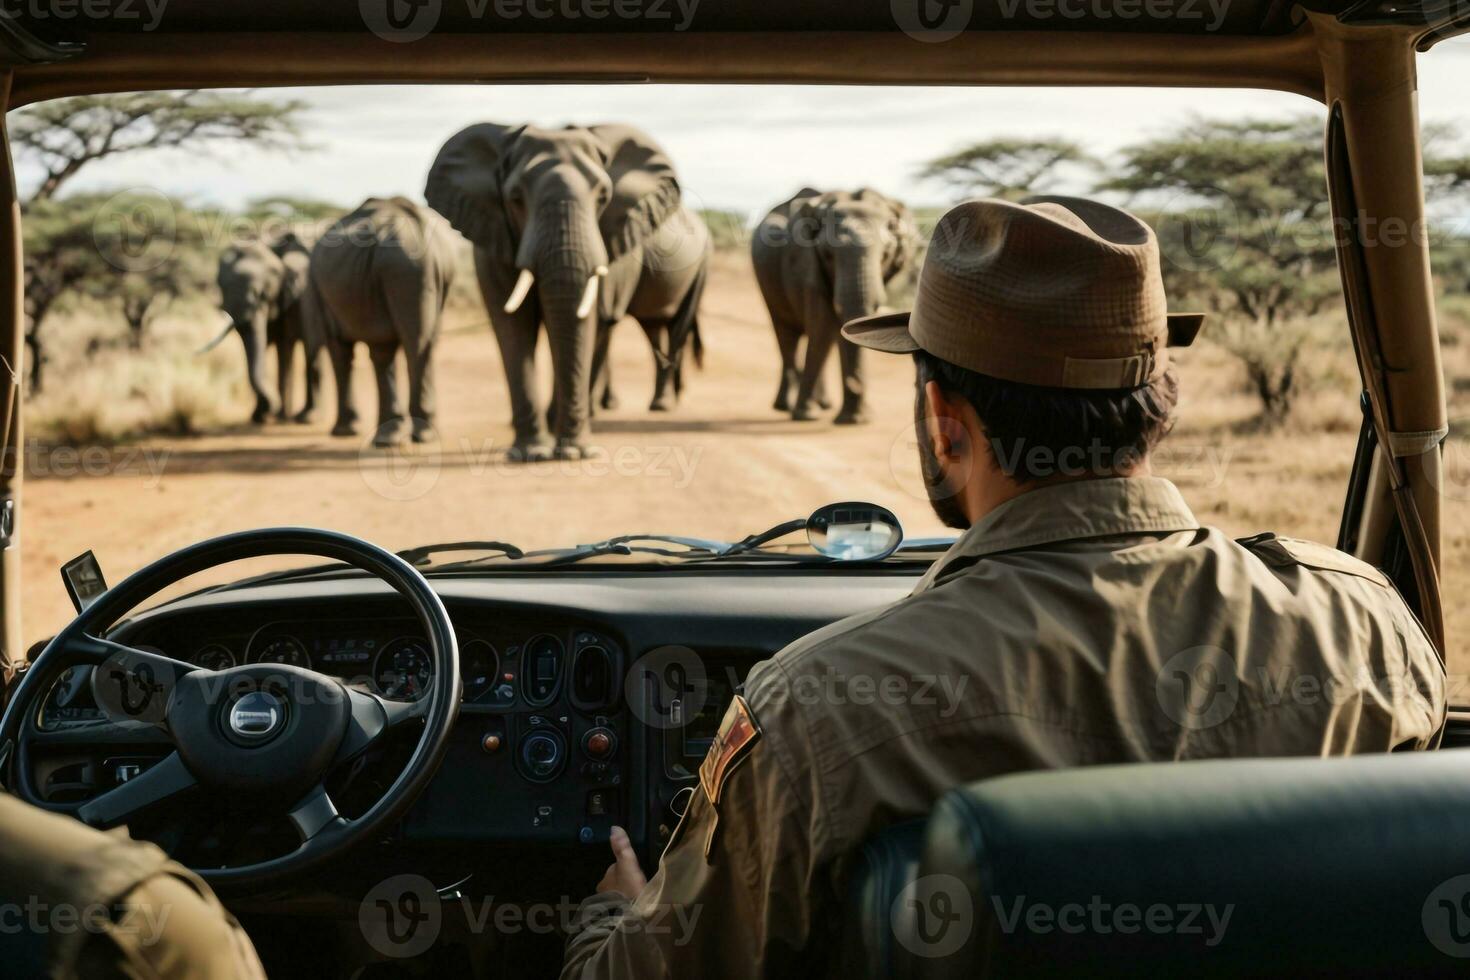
(723, 464)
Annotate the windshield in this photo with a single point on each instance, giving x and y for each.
(156, 268)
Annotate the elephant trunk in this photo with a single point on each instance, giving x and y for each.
(564, 250)
(857, 282)
(252, 329)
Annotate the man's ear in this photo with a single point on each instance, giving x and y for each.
(944, 422)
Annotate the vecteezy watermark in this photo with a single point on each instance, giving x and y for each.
(836, 687)
(1446, 917)
(412, 20)
(1210, 12)
(931, 20)
(136, 230)
(144, 921)
(148, 11)
(1104, 918)
(667, 687)
(409, 472)
(402, 916)
(1200, 687)
(47, 461)
(933, 916)
(941, 20)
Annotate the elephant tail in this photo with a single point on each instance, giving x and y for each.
(696, 343)
(684, 328)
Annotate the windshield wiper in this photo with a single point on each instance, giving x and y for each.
(422, 554)
(627, 544)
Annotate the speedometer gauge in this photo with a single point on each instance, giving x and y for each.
(402, 670)
(284, 650)
(214, 656)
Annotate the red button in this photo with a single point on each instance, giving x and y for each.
(598, 744)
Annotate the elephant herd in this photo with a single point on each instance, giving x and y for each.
(572, 230)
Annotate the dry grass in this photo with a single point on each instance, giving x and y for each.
(99, 391)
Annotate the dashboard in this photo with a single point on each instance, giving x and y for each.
(557, 739)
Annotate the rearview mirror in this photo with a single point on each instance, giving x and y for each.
(854, 531)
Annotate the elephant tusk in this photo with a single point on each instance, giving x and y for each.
(589, 294)
(518, 294)
(229, 325)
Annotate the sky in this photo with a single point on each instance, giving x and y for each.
(737, 147)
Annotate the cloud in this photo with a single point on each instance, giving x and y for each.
(741, 147)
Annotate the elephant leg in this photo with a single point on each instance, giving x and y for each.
(321, 330)
(788, 338)
(822, 332)
(341, 353)
(311, 411)
(415, 300)
(390, 400)
(515, 334)
(602, 387)
(665, 388)
(294, 330)
(422, 396)
(285, 367)
(854, 409)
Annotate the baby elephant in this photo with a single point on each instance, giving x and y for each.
(380, 276)
(822, 259)
(261, 284)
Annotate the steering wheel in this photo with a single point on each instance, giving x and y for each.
(268, 733)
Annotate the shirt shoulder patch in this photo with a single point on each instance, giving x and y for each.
(1279, 551)
(739, 732)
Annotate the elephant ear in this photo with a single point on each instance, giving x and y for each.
(465, 185)
(645, 189)
(906, 233)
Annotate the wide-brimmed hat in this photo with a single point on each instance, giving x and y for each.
(1060, 292)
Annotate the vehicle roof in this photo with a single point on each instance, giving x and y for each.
(208, 43)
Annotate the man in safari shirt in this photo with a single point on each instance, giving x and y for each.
(1083, 617)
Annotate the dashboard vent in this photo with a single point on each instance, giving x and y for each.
(594, 678)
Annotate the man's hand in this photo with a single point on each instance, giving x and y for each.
(623, 875)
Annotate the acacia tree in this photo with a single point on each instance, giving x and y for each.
(67, 135)
(1245, 225)
(1006, 167)
(1246, 228)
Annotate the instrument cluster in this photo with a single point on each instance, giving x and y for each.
(391, 658)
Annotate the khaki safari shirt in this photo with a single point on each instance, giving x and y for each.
(1079, 623)
(77, 902)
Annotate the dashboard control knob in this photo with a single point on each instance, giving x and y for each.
(599, 743)
(490, 743)
(542, 754)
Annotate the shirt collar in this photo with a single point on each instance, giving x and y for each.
(1068, 511)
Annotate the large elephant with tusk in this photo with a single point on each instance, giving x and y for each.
(261, 284)
(380, 276)
(573, 228)
(822, 259)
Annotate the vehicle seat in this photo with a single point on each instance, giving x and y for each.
(1348, 867)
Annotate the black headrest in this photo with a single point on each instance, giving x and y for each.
(1278, 867)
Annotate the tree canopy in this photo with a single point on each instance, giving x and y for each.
(1007, 167)
(65, 135)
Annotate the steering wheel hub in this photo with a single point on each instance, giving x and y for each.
(255, 717)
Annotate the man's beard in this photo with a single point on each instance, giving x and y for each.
(942, 497)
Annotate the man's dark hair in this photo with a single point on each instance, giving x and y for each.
(1036, 433)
